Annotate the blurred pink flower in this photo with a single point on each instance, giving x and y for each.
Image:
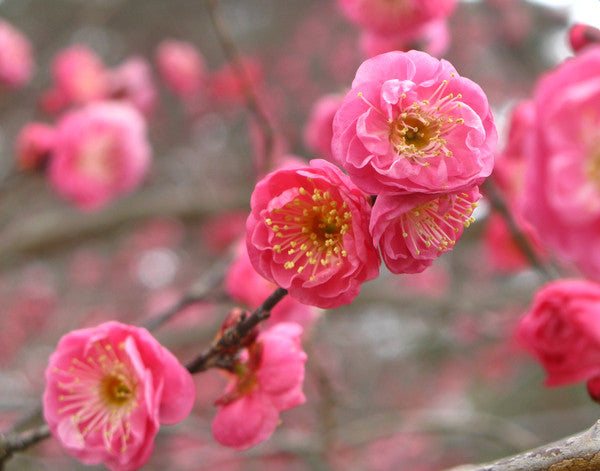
(80, 77)
(268, 382)
(16, 57)
(318, 131)
(562, 180)
(582, 35)
(562, 331)
(412, 124)
(108, 388)
(413, 230)
(181, 67)
(432, 37)
(391, 16)
(223, 229)
(243, 284)
(101, 152)
(308, 233)
(34, 145)
(132, 82)
(225, 84)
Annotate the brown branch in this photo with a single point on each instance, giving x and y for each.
(579, 452)
(12, 442)
(250, 96)
(213, 356)
(497, 201)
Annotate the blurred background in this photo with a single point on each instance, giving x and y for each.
(420, 373)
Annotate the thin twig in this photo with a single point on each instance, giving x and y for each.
(19, 441)
(498, 203)
(234, 336)
(250, 96)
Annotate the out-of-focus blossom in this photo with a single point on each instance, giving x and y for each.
(413, 230)
(181, 67)
(412, 124)
(108, 389)
(319, 126)
(132, 82)
(101, 152)
(562, 331)
(582, 35)
(308, 233)
(34, 145)
(391, 16)
(225, 84)
(267, 382)
(223, 229)
(562, 183)
(244, 285)
(432, 37)
(16, 57)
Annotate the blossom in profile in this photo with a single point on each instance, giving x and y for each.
(562, 331)
(266, 382)
(16, 57)
(108, 389)
(244, 285)
(432, 37)
(319, 126)
(80, 77)
(101, 152)
(411, 124)
(390, 16)
(181, 67)
(561, 194)
(34, 145)
(308, 232)
(132, 82)
(413, 230)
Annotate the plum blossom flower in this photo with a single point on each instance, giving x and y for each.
(101, 152)
(391, 16)
(562, 331)
(132, 82)
(244, 285)
(319, 127)
(411, 124)
(561, 196)
(16, 57)
(181, 67)
(268, 381)
(413, 230)
(108, 389)
(35, 142)
(308, 233)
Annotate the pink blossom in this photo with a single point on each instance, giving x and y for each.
(16, 57)
(562, 182)
(35, 142)
(319, 127)
(80, 76)
(101, 152)
(244, 285)
(181, 66)
(225, 84)
(268, 382)
(108, 388)
(413, 230)
(432, 37)
(391, 16)
(412, 124)
(582, 35)
(132, 81)
(562, 330)
(308, 233)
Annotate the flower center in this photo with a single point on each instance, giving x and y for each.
(437, 223)
(95, 159)
(99, 394)
(310, 230)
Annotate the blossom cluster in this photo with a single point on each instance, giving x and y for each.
(416, 139)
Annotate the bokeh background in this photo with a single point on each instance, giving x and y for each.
(420, 373)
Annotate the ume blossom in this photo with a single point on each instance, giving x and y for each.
(308, 232)
(410, 124)
(108, 389)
